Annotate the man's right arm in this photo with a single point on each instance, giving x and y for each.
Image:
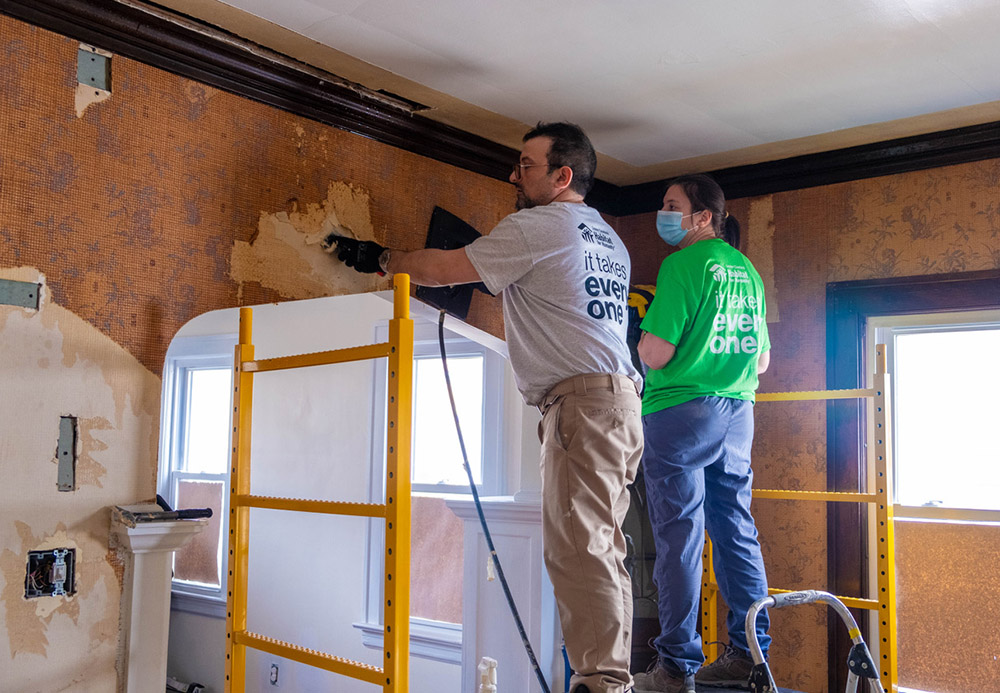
(432, 267)
(427, 267)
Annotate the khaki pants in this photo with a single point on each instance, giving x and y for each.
(591, 434)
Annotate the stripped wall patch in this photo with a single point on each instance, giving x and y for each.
(285, 253)
(760, 250)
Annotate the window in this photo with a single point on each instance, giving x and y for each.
(479, 379)
(945, 376)
(196, 421)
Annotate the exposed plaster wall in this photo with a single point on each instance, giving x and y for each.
(66, 643)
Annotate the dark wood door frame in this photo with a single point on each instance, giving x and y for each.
(849, 305)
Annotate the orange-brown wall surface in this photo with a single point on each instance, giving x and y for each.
(928, 222)
(167, 200)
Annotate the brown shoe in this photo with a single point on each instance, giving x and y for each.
(661, 680)
(732, 669)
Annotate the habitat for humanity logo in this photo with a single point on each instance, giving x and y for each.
(718, 272)
(596, 236)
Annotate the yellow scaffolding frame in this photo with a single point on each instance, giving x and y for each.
(879, 442)
(393, 676)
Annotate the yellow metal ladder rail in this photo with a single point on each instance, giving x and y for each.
(885, 599)
(393, 675)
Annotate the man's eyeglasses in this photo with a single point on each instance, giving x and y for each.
(519, 169)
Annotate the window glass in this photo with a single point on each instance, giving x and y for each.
(437, 456)
(946, 416)
(207, 420)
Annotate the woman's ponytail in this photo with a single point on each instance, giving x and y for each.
(730, 231)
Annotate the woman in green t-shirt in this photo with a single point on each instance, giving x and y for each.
(704, 340)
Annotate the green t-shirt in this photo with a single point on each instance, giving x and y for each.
(710, 304)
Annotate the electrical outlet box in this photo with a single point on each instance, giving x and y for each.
(50, 573)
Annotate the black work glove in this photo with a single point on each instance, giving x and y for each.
(360, 255)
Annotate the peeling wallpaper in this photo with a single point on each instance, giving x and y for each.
(143, 211)
(284, 254)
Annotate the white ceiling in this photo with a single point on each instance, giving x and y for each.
(658, 83)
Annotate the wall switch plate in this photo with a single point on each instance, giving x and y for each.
(50, 573)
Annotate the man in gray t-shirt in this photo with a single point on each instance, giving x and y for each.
(563, 274)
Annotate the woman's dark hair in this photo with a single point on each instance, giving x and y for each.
(570, 147)
(705, 194)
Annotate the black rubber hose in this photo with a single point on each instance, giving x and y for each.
(482, 517)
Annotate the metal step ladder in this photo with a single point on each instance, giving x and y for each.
(860, 664)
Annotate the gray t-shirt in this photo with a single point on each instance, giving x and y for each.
(564, 274)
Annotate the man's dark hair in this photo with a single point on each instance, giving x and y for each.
(570, 147)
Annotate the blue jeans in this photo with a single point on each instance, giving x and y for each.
(697, 467)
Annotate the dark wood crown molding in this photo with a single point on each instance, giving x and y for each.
(209, 55)
(193, 49)
(944, 148)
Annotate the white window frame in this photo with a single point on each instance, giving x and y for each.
(184, 354)
(882, 330)
(426, 345)
(435, 640)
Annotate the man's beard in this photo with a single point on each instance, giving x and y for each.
(522, 201)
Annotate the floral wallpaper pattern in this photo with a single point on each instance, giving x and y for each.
(930, 222)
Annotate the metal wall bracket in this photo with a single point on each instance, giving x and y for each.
(93, 69)
(23, 294)
(66, 454)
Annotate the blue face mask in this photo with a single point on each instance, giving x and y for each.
(668, 225)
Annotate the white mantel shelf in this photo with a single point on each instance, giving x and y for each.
(147, 598)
